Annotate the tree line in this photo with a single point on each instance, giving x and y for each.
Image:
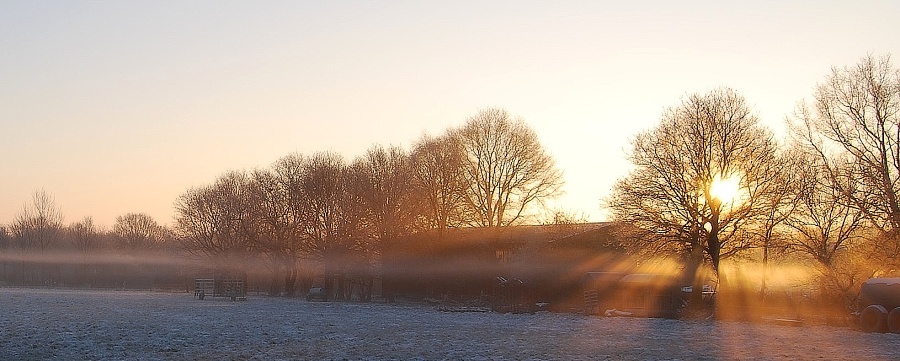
(827, 196)
(321, 216)
(38, 249)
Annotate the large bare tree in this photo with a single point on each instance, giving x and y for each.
(853, 125)
(709, 141)
(505, 167)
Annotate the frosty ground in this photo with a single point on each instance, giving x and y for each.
(129, 325)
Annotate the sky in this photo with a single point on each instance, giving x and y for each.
(117, 107)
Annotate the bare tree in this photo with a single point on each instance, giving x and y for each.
(671, 193)
(277, 219)
(853, 125)
(332, 225)
(5, 245)
(138, 231)
(39, 224)
(381, 180)
(439, 180)
(84, 235)
(5, 241)
(506, 168)
(214, 220)
(777, 203)
(825, 222)
(561, 217)
(828, 228)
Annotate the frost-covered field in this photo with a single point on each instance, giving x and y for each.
(110, 325)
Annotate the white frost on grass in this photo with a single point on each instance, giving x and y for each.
(111, 325)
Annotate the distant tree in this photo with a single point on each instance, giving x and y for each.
(138, 231)
(39, 224)
(853, 126)
(505, 167)
(708, 143)
(439, 181)
(5, 239)
(86, 239)
(563, 217)
(84, 235)
(5, 245)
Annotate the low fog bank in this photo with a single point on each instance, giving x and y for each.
(106, 269)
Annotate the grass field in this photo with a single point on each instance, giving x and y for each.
(130, 325)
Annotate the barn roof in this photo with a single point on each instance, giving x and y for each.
(580, 235)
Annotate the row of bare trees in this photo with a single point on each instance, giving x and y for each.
(829, 195)
(39, 227)
(319, 216)
(37, 247)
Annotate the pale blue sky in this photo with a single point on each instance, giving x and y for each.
(118, 107)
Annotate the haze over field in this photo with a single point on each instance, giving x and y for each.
(120, 107)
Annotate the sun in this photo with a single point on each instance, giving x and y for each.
(724, 189)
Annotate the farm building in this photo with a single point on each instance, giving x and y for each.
(511, 265)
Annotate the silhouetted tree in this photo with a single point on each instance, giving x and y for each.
(853, 125)
(381, 180)
(5, 240)
(331, 218)
(829, 229)
(709, 138)
(277, 219)
(562, 217)
(84, 235)
(825, 222)
(214, 220)
(87, 240)
(778, 204)
(138, 231)
(39, 224)
(5, 245)
(38, 228)
(505, 167)
(437, 174)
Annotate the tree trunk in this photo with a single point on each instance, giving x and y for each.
(290, 280)
(765, 271)
(274, 288)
